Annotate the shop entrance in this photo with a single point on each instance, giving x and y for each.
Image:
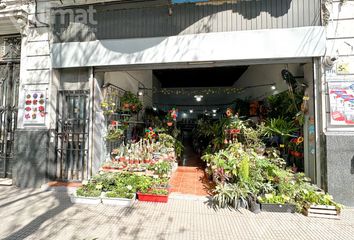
(202, 109)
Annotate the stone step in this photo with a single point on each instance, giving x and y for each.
(5, 182)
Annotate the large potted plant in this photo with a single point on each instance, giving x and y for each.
(151, 190)
(89, 193)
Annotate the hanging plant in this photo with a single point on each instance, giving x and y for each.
(130, 102)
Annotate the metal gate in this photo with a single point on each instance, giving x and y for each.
(72, 135)
(9, 87)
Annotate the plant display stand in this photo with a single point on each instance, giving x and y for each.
(273, 207)
(321, 211)
(123, 202)
(85, 200)
(145, 197)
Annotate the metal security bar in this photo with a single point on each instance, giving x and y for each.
(9, 84)
(72, 135)
(9, 88)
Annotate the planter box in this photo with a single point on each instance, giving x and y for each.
(321, 211)
(273, 207)
(85, 200)
(123, 202)
(145, 197)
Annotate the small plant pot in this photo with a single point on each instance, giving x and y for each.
(122, 159)
(147, 161)
(297, 154)
(169, 124)
(273, 207)
(136, 161)
(123, 202)
(85, 200)
(126, 106)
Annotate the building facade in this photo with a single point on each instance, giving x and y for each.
(71, 51)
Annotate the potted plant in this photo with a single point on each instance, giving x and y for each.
(89, 193)
(130, 102)
(154, 195)
(276, 203)
(121, 196)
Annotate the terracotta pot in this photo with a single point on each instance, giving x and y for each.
(297, 154)
(147, 161)
(122, 159)
(169, 124)
(136, 161)
(131, 161)
(126, 105)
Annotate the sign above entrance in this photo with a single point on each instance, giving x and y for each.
(293, 43)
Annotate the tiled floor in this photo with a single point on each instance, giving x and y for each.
(190, 177)
(190, 180)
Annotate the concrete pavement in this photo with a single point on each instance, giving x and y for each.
(36, 214)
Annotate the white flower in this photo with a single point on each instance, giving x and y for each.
(129, 187)
(85, 182)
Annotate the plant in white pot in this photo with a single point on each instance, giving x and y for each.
(120, 196)
(89, 193)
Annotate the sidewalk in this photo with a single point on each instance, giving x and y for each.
(34, 214)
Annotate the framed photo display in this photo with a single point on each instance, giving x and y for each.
(35, 107)
(341, 98)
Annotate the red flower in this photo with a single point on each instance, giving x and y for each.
(41, 108)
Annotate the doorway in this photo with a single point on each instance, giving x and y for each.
(9, 87)
(72, 135)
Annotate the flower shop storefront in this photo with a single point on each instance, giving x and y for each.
(254, 142)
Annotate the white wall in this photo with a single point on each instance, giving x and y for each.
(265, 74)
(131, 81)
(301, 42)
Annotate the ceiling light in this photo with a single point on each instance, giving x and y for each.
(140, 93)
(154, 108)
(198, 97)
(214, 114)
(273, 87)
(191, 111)
(214, 110)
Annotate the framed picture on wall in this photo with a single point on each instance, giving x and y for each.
(341, 99)
(34, 107)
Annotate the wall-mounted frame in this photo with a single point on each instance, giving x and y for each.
(341, 103)
(35, 109)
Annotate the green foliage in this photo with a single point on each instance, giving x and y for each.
(229, 194)
(158, 191)
(280, 127)
(89, 190)
(162, 168)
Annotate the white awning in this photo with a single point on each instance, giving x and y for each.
(304, 42)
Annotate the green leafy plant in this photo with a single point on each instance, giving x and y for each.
(89, 190)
